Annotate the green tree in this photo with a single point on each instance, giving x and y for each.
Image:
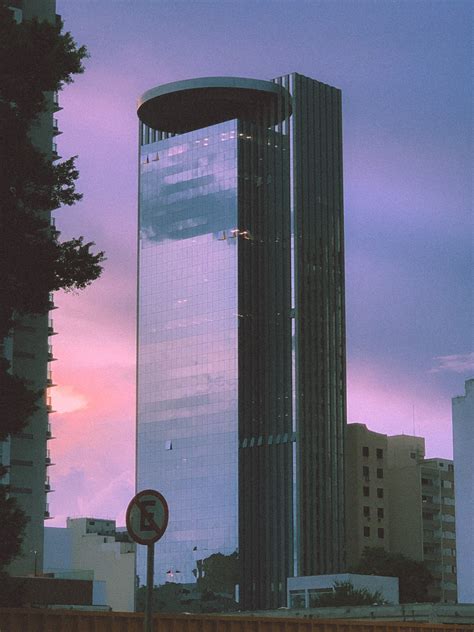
(414, 576)
(169, 597)
(12, 525)
(36, 58)
(344, 594)
(17, 402)
(218, 573)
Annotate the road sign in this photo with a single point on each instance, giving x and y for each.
(147, 516)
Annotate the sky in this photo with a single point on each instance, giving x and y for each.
(405, 72)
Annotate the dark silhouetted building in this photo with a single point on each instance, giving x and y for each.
(30, 354)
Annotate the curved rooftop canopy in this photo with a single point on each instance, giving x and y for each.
(183, 106)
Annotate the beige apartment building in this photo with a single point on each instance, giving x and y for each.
(398, 500)
(94, 549)
(367, 519)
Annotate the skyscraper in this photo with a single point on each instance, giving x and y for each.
(241, 342)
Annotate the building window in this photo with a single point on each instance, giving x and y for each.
(365, 471)
(379, 452)
(366, 532)
(379, 472)
(379, 492)
(366, 491)
(366, 511)
(450, 468)
(412, 455)
(168, 445)
(380, 513)
(365, 451)
(381, 533)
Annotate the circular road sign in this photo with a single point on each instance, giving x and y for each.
(147, 516)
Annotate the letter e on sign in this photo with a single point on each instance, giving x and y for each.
(147, 516)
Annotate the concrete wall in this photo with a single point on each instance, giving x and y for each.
(463, 431)
(406, 532)
(366, 451)
(98, 552)
(57, 549)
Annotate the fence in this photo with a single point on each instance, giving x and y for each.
(45, 620)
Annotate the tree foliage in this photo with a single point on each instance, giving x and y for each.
(219, 573)
(36, 59)
(12, 525)
(213, 591)
(175, 597)
(344, 594)
(17, 402)
(414, 576)
(166, 598)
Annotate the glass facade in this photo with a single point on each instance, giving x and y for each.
(241, 360)
(187, 344)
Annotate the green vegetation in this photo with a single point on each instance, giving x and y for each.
(35, 58)
(218, 573)
(414, 577)
(213, 591)
(171, 597)
(344, 594)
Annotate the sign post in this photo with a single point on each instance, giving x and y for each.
(147, 519)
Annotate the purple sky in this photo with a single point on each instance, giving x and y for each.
(404, 69)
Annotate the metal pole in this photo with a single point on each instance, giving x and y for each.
(150, 562)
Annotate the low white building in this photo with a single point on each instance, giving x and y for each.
(93, 546)
(463, 439)
(303, 592)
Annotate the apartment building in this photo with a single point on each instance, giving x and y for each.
(399, 500)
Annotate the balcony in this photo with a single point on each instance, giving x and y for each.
(47, 459)
(47, 514)
(51, 331)
(51, 357)
(56, 106)
(56, 130)
(47, 485)
(49, 433)
(54, 152)
(430, 503)
(49, 380)
(54, 231)
(49, 405)
(51, 304)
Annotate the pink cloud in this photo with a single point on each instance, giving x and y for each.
(394, 403)
(459, 363)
